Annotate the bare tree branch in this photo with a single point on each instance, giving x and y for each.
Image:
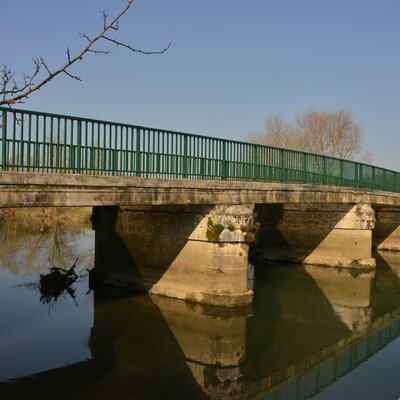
(127, 46)
(12, 93)
(72, 76)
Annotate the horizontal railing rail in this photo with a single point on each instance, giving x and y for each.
(42, 142)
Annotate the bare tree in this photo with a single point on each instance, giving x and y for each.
(12, 91)
(277, 133)
(334, 134)
(331, 133)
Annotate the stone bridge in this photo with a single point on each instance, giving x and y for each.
(180, 214)
(195, 239)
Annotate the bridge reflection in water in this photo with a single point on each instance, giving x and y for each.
(307, 327)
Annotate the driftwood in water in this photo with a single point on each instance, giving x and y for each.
(57, 281)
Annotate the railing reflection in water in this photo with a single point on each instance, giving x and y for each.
(306, 329)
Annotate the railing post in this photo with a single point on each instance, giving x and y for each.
(4, 141)
(341, 178)
(373, 178)
(324, 171)
(224, 162)
(384, 179)
(255, 163)
(78, 148)
(114, 162)
(282, 165)
(305, 167)
(185, 156)
(356, 175)
(138, 152)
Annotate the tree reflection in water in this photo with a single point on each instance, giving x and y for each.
(33, 239)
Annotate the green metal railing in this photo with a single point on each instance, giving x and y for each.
(42, 142)
(311, 382)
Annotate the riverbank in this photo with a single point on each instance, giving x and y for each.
(71, 216)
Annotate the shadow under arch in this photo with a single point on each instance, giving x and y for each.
(134, 246)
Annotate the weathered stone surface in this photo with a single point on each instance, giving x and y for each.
(326, 234)
(349, 244)
(307, 223)
(361, 216)
(24, 189)
(165, 250)
(386, 235)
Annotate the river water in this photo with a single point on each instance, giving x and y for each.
(310, 333)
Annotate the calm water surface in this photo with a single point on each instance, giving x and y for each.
(311, 333)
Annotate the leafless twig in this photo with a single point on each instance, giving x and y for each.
(12, 92)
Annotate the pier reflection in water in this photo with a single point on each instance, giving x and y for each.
(307, 328)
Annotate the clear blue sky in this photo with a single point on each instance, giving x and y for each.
(232, 63)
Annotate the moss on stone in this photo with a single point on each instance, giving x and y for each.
(250, 227)
(213, 231)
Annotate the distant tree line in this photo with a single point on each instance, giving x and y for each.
(330, 133)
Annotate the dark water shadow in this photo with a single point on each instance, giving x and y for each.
(134, 355)
(386, 289)
(293, 320)
(145, 347)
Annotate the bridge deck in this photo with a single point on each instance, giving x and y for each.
(23, 189)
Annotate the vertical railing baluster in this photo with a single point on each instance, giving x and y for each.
(305, 167)
(127, 151)
(223, 169)
(57, 160)
(28, 149)
(78, 147)
(341, 173)
(324, 171)
(20, 141)
(282, 165)
(138, 144)
(4, 140)
(51, 155)
(13, 140)
(185, 156)
(384, 179)
(356, 176)
(114, 161)
(255, 162)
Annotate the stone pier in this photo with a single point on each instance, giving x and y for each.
(386, 236)
(194, 253)
(335, 235)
